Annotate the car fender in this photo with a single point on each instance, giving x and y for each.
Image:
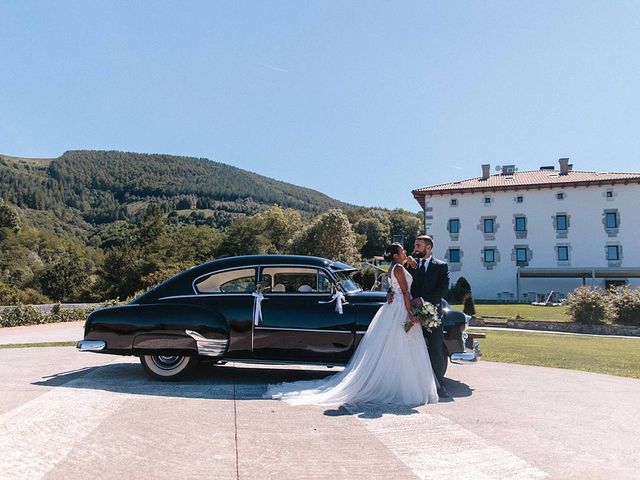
(159, 328)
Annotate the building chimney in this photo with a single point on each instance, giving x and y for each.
(564, 166)
(485, 171)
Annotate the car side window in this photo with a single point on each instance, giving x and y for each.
(325, 284)
(230, 281)
(294, 280)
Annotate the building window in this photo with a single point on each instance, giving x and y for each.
(609, 193)
(613, 252)
(560, 196)
(611, 220)
(561, 222)
(563, 253)
(521, 255)
(487, 200)
(519, 199)
(453, 202)
(488, 225)
(454, 225)
(454, 255)
(489, 255)
(521, 224)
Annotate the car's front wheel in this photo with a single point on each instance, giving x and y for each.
(168, 367)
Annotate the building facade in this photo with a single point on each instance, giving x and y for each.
(518, 235)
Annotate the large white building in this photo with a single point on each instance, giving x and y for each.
(517, 235)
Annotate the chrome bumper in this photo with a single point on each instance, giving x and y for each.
(91, 345)
(469, 354)
(209, 347)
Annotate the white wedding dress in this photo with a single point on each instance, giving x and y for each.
(389, 366)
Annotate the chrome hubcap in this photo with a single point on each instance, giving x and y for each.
(166, 362)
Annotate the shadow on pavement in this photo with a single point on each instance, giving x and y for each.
(221, 382)
(209, 382)
(457, 389)
(370, 410)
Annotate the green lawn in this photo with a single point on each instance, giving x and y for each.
(613, 356)
(506, 311)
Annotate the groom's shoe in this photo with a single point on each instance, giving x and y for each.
(442, 392)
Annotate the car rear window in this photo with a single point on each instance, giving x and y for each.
(229, 281)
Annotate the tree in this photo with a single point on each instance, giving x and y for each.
(407, 224)
(8, 217)
(189, 244)
(280, 226)
(152, 226)
(376, 233)
(246, 236)
(61, 279)
(330, 236)
(119, 276)
(459, 291)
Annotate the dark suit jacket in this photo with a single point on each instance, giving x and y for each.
(433, 284)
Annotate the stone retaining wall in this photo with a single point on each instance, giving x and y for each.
(571, 327)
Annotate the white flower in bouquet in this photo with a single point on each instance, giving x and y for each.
(427, 315)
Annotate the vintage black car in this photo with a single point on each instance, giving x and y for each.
(262, 309)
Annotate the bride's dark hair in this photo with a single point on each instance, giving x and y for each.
(391, 250)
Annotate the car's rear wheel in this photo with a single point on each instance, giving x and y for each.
(168, 367)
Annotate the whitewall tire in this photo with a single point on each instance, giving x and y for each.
(168, 367)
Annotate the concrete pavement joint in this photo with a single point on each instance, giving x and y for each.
(235, 420)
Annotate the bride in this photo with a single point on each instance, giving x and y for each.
(390, 365)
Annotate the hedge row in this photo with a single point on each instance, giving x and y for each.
(27, 315)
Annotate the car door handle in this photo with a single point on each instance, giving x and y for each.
(331, 301)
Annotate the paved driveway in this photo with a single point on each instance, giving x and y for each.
(66, 414)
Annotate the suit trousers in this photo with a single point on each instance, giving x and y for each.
(435, 340)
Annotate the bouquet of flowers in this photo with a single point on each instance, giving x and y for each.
(427, 315)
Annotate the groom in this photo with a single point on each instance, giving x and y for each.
(430, 284)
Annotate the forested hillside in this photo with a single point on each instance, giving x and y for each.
(105, 186)
(95, 225)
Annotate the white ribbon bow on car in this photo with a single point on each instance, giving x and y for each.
(339, 298)
(257, 308)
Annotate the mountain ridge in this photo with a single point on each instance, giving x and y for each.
(100, 185)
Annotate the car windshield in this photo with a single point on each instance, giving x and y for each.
(346, 282)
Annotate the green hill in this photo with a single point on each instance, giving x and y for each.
(82, 188)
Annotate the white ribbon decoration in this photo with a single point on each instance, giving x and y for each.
(257, 308)
(339, 298)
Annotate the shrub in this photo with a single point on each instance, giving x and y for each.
(69, 315)
(9, 295)
(21, 315)
(626, 306)
(459, 291)
(469, 307)
(27, 315)
(589, 306)
(29, 296)
(368, 278)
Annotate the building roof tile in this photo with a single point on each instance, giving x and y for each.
(542, 178)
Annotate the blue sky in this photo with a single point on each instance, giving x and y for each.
(363, 101)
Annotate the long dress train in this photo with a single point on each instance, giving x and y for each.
(390, 366)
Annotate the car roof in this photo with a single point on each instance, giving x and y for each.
(181, 283)
(230, 262)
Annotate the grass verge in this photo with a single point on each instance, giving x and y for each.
(510, 311)
(41, 344)
(613, 356)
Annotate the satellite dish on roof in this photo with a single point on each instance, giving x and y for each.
(498, 168)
